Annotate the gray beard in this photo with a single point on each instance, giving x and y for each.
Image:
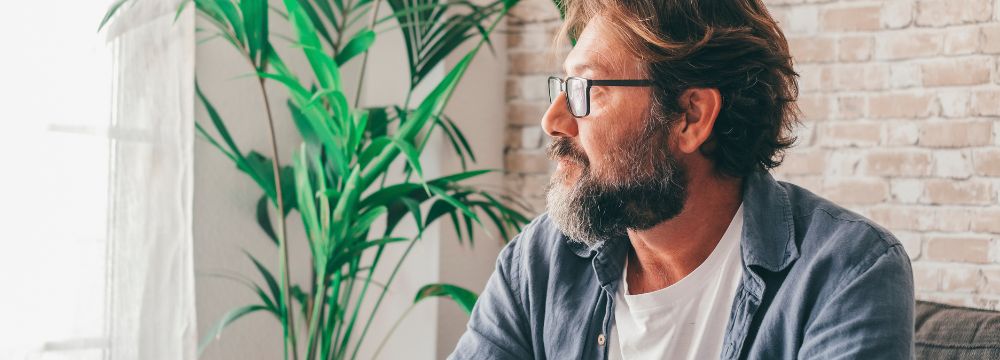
(650, 187)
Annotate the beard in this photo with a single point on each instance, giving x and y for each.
(640, 185)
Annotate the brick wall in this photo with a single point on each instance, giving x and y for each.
(532, 25)
(901, 108)
(901, 100)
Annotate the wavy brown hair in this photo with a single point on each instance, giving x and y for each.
(732, 45)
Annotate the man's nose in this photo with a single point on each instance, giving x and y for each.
(557, 121)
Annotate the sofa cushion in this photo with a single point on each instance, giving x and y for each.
(953, 332)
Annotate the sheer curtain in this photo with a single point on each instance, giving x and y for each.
(151, 276)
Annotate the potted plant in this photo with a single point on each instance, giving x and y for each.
(337, 179)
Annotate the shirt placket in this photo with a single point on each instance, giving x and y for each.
(604, 337)
(741, 316)
(604, 308)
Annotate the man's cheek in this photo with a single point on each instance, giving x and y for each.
(567, 172)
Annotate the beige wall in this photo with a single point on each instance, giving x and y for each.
(901, 104)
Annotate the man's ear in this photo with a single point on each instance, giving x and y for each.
(701, 107)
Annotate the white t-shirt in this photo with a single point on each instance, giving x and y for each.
(686, 320)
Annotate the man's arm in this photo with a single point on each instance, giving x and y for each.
(870, 316)
(498, 328)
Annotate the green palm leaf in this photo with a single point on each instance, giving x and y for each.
(255, 23)
(112, 10)
(228, 318)
(464, 298)
(358, 44)
(430, 36)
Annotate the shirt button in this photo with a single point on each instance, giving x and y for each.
(601, 340)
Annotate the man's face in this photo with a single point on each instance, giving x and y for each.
(615, 167)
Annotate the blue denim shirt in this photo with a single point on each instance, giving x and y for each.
(819, 282)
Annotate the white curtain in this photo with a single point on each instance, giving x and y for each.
(151, 310)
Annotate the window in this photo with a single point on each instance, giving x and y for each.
(57, 103)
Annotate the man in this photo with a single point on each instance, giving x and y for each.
(665, 237)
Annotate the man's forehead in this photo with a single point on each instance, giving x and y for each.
(596, 53)
(579, 68)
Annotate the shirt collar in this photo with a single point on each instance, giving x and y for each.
(768, 238)
(768, 228)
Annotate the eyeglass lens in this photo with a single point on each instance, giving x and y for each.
(576, 94)
(554, 88)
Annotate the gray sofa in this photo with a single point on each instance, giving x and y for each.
(953, 332)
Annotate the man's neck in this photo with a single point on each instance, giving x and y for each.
(669, 251)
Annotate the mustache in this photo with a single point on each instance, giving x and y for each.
(564, 148)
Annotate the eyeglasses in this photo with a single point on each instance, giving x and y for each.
(578, 91)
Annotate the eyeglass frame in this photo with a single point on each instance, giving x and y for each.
(590, 83)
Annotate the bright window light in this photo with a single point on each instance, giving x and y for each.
(55, 108)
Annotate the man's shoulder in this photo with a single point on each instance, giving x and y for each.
(829, 233)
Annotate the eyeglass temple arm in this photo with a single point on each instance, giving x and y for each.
(620, 82)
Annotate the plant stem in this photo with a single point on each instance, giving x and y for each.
(381, 296)
(315, 288)
(331, 316)
(364, 60)
(406, 104)
(283, 241)
(368, 279)
(361, 296)
(406, 108)
(340, 31)
(334, 344)
(392, 330)
(352, 271)
(319, 299)
(343, 303)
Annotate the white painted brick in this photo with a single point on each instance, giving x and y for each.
(803, 20)
(843, 163)
(907, 191)
(532, 137)
(954, 103)
(960, 279)
(897, 14)
(904, 75)
(955, 164)
(912, 243)
(902, 133)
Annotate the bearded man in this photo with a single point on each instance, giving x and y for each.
(665, 236)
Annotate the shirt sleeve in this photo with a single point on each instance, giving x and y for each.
(870, 316)
(498, 327)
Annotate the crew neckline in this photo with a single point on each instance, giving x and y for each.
(687, 286)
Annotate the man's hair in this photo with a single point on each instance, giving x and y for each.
(732, 45)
